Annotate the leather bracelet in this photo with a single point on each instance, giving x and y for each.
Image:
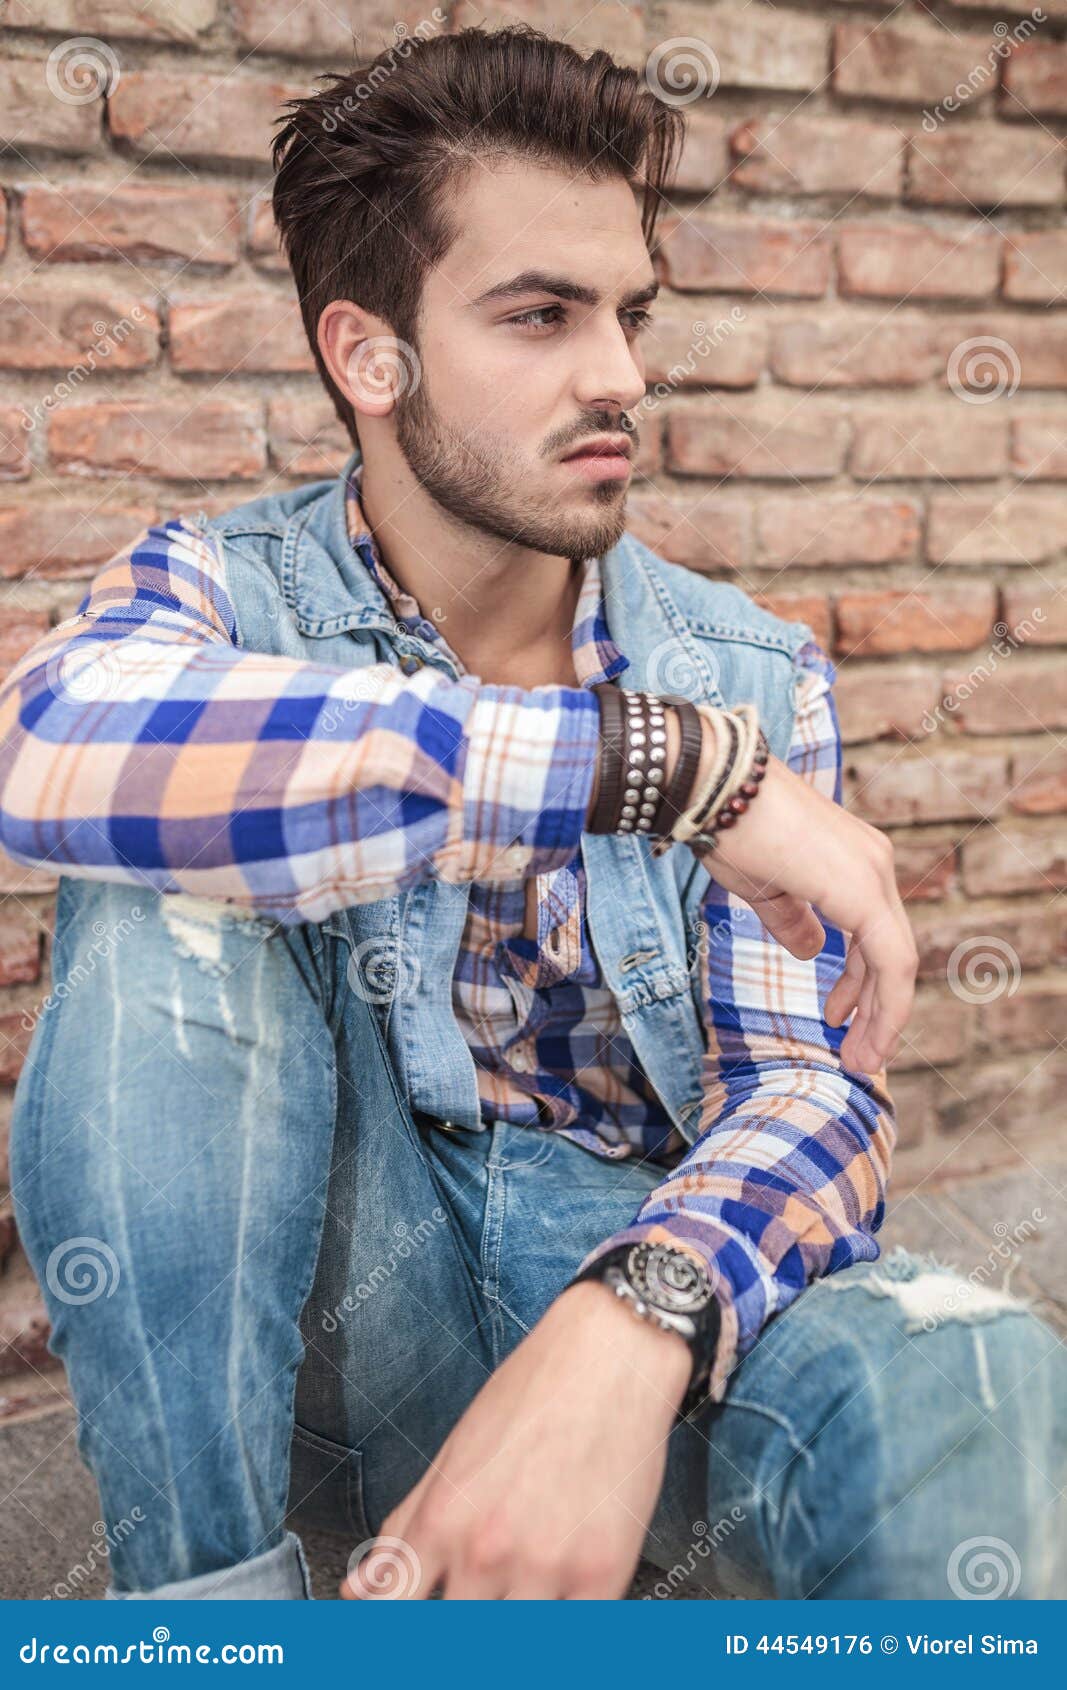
(679, 788)
(612, 737)
(646, 757)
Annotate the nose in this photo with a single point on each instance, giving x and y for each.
(611, 372)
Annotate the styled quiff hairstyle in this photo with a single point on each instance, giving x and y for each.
(364, 165)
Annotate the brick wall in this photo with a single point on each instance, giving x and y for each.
(860, 416)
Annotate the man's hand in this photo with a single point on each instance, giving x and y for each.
(794, 849)
(545, 1488)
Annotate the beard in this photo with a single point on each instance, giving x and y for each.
(469, 476)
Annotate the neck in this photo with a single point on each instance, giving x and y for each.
(507, 611)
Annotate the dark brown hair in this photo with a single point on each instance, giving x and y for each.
(363, 165)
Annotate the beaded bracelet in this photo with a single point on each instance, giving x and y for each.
(739, 765)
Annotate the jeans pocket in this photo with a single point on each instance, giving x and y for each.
(326, 1486)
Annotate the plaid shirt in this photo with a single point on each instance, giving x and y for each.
(139, 742)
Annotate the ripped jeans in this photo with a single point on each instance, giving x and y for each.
(276, 1289)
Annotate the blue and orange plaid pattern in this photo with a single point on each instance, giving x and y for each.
(138, 741)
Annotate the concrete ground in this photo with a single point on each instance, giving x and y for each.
(1008, 1228)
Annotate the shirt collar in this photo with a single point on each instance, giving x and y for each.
(596, 655)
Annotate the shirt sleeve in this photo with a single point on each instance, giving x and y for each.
(140, 742)
(786, 1180)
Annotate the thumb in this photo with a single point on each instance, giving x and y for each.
(793, 923)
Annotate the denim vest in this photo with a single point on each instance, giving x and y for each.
(300, 589)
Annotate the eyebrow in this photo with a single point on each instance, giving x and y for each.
(541, 281)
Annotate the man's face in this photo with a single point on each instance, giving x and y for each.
(515, 378)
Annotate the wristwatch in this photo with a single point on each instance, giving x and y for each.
(674, 1290)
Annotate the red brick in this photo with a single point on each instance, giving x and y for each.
(118, 18)
(598, 23)
(925, 868)
(941, 1031)
(705, 156)
(775, 438)
(3, 222)
(209, 439)
(233, 334)
(20, 946)
(1041, 605)
(324, 29)
(1038, 936)
(952, 441)
(1039, 447)
(306, 436)
(195, 115)
(933, 782)
(14, 464)
(1015, 527)
(995, 353)
(973, 164)
(1035, 266)
(755, 46)
(913, 64)
(783, 154)
(746, 255)
(709, 533)
(690, 344)
(17, 877)
(914, 619)
(1035, 80)
(880, 261)
(811, 608)
(1006, 691)
(1029, 1019)
(852, 350)
(87, 325)
(818, 529)
(16, 1030)
(1038, 780)
(998, 860)
(19, 629)
(66, 541)
(157, 224)
(874, 702)
(24, 1327)
(31, 116)
(263, 245)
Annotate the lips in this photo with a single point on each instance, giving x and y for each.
(600, 450)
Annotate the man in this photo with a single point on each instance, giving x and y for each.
(394, 1067)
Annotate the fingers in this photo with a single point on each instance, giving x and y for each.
(844, 994)
(793, 923)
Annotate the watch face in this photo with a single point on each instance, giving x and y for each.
(669, 1279)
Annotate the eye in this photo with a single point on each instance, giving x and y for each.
(526, 320)
(639, 318)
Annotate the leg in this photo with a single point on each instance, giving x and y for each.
(880, 1440)
(886, 1438)
(171, 1149)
